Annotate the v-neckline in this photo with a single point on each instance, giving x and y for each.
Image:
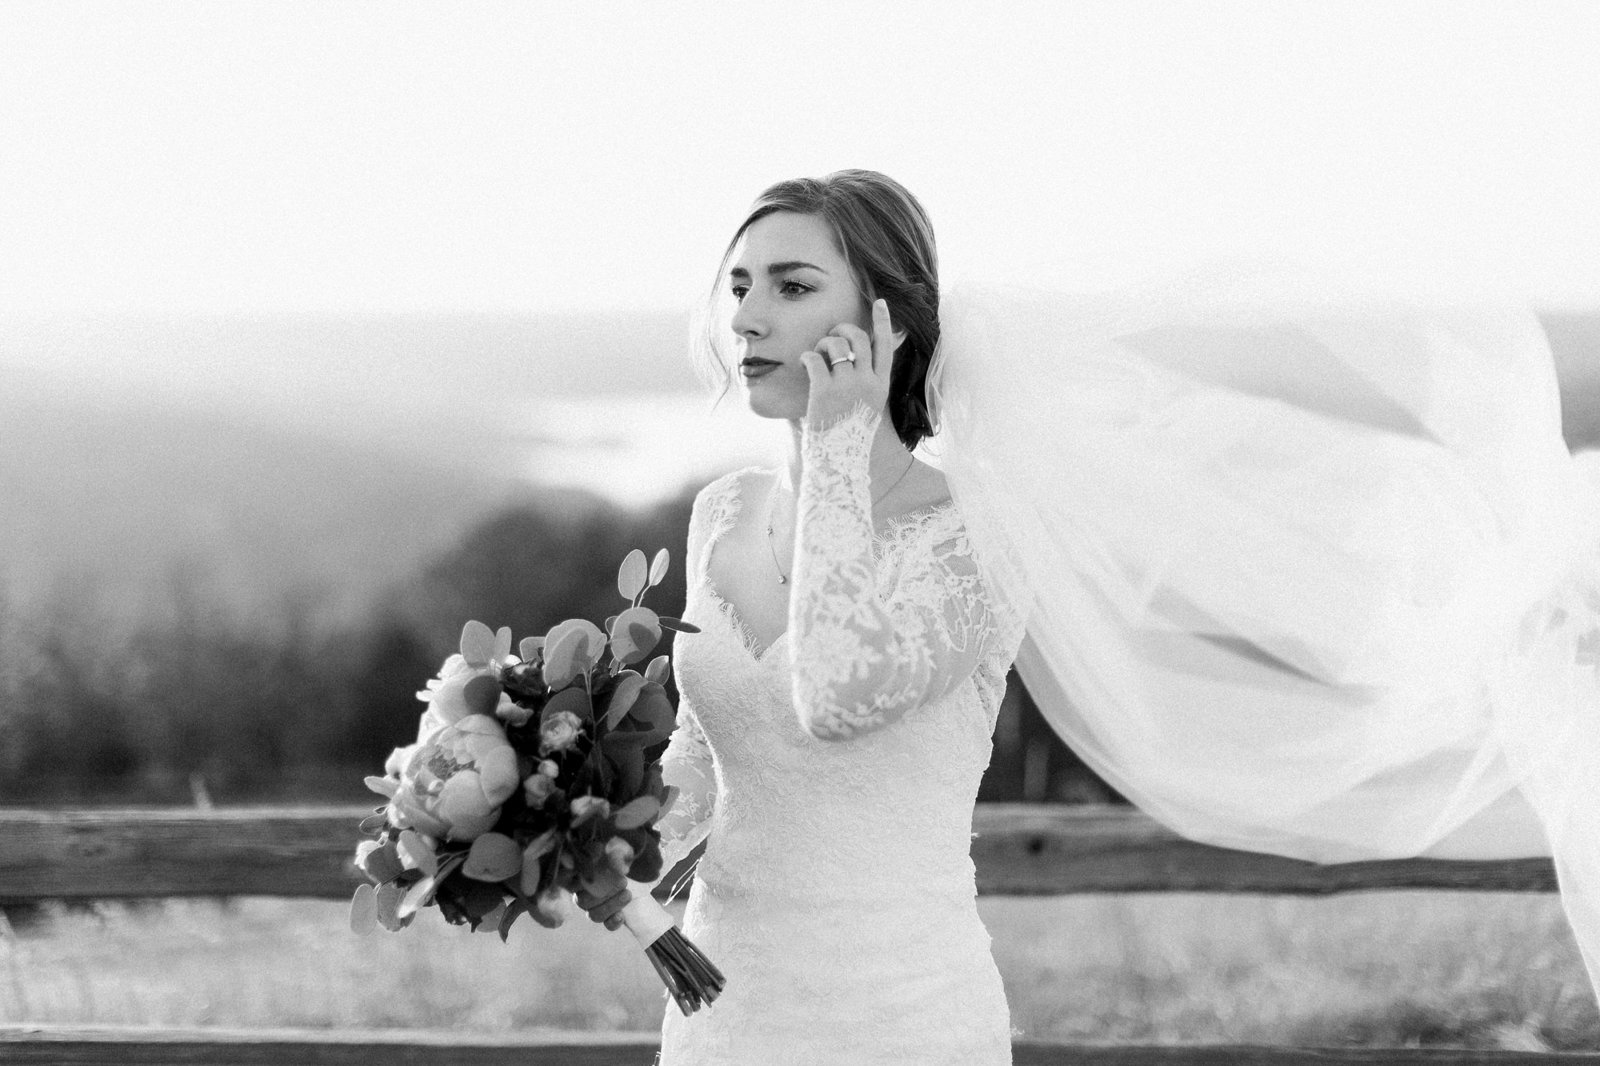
(741, 631)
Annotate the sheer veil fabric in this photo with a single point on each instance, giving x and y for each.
(1308, 570)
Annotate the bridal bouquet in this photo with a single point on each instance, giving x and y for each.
(533, 775)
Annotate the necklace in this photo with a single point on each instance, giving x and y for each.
(772, 504)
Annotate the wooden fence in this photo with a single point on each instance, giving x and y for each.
(1019, 849)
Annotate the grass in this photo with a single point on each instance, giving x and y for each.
(1395, 969)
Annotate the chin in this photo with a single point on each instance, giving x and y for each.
(772, 403)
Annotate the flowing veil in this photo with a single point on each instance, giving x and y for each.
(1307, 569)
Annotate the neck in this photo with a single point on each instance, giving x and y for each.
(888, 464)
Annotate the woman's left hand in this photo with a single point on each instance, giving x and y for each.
(836, 389)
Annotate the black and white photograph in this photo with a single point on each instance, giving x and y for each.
(861, 533)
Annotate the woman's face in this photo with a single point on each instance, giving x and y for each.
(793, 286)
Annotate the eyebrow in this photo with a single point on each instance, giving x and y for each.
(778, 268)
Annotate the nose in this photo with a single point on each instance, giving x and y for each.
(749, 322)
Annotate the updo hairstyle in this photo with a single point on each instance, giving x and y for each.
(884, 235)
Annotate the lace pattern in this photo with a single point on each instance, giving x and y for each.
(861, 663)
(836, 882)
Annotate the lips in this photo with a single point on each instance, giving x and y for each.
(753, 362)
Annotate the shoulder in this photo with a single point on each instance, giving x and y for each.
(925, 487)
(723, 493)
(725, 485)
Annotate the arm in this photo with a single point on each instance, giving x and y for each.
(860, 664)
(686, 764)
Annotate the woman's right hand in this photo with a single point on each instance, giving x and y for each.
(604, 897)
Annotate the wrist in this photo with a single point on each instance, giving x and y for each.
(842, 436)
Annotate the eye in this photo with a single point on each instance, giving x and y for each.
(787, 286)
(739, 291)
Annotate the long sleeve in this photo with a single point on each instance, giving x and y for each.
(687, 763)
(861, 664)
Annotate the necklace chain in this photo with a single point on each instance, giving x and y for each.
(772, 505)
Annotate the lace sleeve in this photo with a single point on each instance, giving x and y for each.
(686, 764)
(859, 663)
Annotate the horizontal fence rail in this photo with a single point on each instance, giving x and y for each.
(1018, 850)
(90, 1046)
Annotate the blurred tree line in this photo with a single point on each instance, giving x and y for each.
(198, 703)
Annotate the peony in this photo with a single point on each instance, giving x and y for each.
(457, 693)
(559, 731)
(453, 784)
(397, 760)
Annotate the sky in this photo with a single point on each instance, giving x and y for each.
(173, 157)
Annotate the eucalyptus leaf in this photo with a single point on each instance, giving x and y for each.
(678, 625)
(637, 812)
(492, 857)
(417, 897)
(389, 897)
(632, 575)
(560, 660)
(381, 862)
(636, 633)
(502, 642)
(653, 708)
(374, 821)
(481, 694)
(513, 911)
(364, 910)
(630, 768)
(647, 864)
(589, 650)
(628, 687)
(659, 670)
(528, 647)
(416, 853)
(490, 923)
(658, 566)
(477, 643)
(573, 699)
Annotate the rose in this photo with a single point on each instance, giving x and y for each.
(559, 731)
(619, 854)
(587, 807)
(537, 788)
(453, 784)
(512, 713)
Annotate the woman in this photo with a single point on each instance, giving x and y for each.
(838, 704)
(1304, 569)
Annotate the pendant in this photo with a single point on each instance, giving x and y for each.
(782, 580)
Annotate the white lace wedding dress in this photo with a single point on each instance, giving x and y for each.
(835, 773)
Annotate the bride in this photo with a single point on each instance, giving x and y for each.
(1296, 567)
(837, 706)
